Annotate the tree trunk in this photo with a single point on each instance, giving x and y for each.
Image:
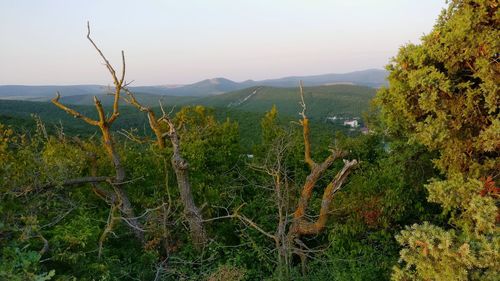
(191, 211)
(180, 165)
(122, 200)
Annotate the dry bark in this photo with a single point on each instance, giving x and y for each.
(119, 198)
(181, 169)
(289, 231)
(300, 225)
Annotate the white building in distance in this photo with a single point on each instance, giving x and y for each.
(351, 123)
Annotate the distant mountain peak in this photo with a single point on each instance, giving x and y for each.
(374, 78)
(220, 80)
(214, 81)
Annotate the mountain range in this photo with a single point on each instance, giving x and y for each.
(349, 100)
(374, 78)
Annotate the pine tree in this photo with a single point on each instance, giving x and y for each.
(444, 94)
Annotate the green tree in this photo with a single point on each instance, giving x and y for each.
(444, 94)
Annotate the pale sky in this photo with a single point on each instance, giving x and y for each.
(176, 42)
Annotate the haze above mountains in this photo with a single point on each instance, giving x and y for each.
(373, 78)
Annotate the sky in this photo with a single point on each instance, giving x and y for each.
(178, 42)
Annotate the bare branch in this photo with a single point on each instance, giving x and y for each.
(73, 112)
(108, 65)
(159, 269)
(180, 165)
(147, 211)
(307, 228)
(245, 220)
(316, 173)
(118, 82)
(119, 198)
(153, 122)
(306, 131)
(161, 107)
(133, 101)
(242, 218)
(130, 135)
(100, 111)
(255, 226)
(45, 244)
(300, 223)
(302, 101)
(109, 228)
(122, 78)
(132, 224)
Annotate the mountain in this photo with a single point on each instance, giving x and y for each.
(370, 77)
(14, 92)
(349, 100)
(246, 106)
(322, 101)
(208, 87)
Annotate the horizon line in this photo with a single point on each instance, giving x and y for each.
(179, 84)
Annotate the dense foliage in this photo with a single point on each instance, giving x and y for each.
(421, 204)
(19, 114)
(71, 219)
(444, 94)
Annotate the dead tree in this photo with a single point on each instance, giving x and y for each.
(180, 165)
(118, 197)
(300, 225)
(291, 228)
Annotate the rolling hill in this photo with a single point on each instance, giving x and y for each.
(371, 78)
(143, 98)
(208, 87)
(245, 106)
(322, 101)
(42, 93)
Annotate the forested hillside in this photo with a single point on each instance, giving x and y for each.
(23, 114)
(324, 101)
(256, 185)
